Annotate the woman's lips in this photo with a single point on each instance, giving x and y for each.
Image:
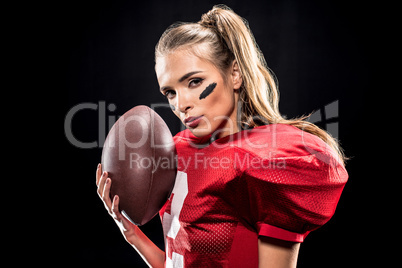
(193, 121)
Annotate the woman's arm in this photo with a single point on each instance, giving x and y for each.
(275, 253)
(150, 253)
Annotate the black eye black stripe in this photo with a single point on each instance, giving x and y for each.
(208, 90)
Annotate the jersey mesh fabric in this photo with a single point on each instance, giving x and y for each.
(273, 180)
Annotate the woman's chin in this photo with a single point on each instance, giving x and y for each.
(200, 133)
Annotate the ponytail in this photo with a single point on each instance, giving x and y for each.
(259, 94)
(229, 38)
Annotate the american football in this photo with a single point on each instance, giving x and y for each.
(140, 156)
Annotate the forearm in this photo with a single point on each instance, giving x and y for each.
(149, 252)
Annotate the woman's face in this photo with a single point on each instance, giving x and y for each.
(198, 94)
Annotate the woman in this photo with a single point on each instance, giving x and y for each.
(251, 184)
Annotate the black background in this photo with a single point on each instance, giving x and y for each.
(320, 51)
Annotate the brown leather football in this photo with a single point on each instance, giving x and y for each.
(140, 156)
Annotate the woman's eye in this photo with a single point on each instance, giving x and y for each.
(170, 94)
(195, 82)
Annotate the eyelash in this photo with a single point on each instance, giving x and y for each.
(198, 81)
(167, 92)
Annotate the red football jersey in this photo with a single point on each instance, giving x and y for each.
(273, 180)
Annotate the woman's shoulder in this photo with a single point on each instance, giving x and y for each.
(283, 141)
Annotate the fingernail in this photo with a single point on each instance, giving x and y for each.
(107, 181)
(99, 165)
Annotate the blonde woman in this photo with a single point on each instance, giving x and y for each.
(251, 185)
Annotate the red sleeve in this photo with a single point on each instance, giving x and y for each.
(287, 195)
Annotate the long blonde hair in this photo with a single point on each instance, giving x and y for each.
(228, 38)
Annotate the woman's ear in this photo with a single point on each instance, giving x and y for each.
(236, 76)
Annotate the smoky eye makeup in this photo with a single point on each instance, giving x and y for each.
(169, 93)
(207, 91)
(195, 82)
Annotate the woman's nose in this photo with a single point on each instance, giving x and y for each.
(184, 102)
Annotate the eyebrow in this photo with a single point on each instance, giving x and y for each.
(187, 75)
(184, 77)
